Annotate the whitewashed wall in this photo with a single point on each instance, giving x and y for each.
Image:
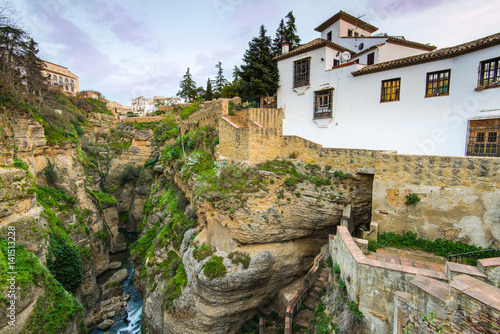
(413, 125)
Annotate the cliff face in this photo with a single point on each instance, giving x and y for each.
(257, 229)
(51, 195)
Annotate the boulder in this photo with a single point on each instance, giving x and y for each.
(105, 324)
(120, 276)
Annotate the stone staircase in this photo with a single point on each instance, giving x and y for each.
(302, 317)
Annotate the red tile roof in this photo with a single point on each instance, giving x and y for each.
(440, 54)
(315, 44)
(348, 18)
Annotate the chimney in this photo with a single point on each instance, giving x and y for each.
(285, 46)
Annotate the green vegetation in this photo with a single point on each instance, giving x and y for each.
(174, 286)
(439, 247)
(239, 257)
(202, 252)
(104, 199)
(412, 198)
(56, 308)
(354, 311)
(51, 174)
(214, 268)
(20, 164)
(54, 198)
(63, 261)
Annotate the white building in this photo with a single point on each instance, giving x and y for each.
(352, 89)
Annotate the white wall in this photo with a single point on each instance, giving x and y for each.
(413, 125)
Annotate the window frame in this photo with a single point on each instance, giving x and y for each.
(319, 98)
(482, 71)
(437, 83)
(302, 79)
(483, 137)
(397, 93)
(370, 56)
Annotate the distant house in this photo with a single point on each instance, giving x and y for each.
(353, 89)
(60, 77)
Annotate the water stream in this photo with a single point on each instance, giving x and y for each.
(129, 321)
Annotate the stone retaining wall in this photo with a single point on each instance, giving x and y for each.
(372, 283)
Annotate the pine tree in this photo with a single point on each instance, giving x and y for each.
(259, 73)
(291, 32)
(187, 87)
(279, 39)
(219, 81)
(208, 92)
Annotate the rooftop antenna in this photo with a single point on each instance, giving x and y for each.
(356, 28)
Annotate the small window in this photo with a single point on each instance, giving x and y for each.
(72, 89)
(72, 83)
(490, 73)
(484, 138)
(329, 35)
(301, 72)
(370, 59)
(66, 80)
(390, 90)
(438, 83)
(356, 34)
(349, 32)
(60, 80)
(336, 62)
(323, 104)
(54, 77)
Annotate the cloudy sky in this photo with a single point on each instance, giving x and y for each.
(128, 48)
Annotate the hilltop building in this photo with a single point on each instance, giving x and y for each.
(144, 106)
(353, 89)
(60, 77)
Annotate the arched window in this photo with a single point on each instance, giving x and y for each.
(72, 83)
(54, 77)
(66, 80)
(60, 79)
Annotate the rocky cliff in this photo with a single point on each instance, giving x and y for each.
(220, 240)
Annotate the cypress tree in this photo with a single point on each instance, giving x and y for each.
(187, 87)
(259, 73)
(219, 81)
(291, 32)
(208, 92)
(279, 39)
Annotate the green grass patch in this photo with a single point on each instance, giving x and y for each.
(214, 268)
(202, 252)
(240, 257)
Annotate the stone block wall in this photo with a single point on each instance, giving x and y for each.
(459, 196)
(208, 114)
(372, 283)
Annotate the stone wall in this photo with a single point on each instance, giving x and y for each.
(209, 112)
(465, 305)
(460, 196)
(251, 135)
(372, 283)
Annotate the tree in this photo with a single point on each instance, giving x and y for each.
(20, 67)
(259, 73)
(187, 87)
(208, 91)
(219, 81)
(279, 39)
(286, 32)
(291, 32)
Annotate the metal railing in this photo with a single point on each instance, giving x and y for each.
(472, 257)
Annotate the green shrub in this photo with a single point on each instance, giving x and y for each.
(202, 252)
(329, 262)
(20, 164)
(412, 198)
(354, 311)
(339, 174)
(51, 174)
(439, 247)
(336, 270)
(64, 263)
(372, 246)
(240, 257)
(129, 175)
(214, 267)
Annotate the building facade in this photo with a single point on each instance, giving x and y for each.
(352, 89)
(60, 77)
